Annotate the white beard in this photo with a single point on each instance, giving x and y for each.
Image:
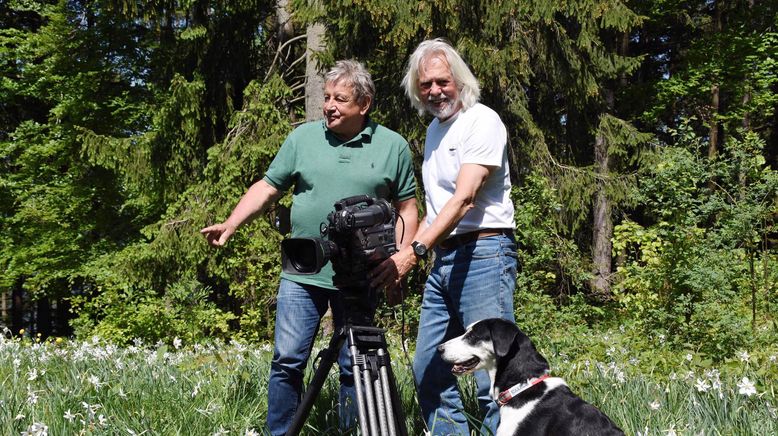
(445, 111)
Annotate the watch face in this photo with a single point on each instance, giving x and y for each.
(420, 249)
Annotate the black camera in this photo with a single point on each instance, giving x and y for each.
(360, 234)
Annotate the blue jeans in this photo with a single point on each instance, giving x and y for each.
(298, 313)
(469, 283)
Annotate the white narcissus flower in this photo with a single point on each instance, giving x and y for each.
(702, 385)
(746, 387)
(69, 415)
(36, 429)
(654, 405)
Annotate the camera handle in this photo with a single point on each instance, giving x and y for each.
(378, 401)
(356, 199)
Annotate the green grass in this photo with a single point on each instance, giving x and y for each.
(91, 387)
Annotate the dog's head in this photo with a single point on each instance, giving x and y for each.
(482, 344)
(494, 345)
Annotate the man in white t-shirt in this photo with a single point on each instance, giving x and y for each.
(469, 223)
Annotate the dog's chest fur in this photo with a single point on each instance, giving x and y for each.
(513, 415)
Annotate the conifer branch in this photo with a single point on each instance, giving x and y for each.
(278, 53)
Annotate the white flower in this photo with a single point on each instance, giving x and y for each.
(746, 387)
(91, 409)
(743, 355)
(32, 374)
(36, 429)
(102, 420)
(250, 432)
(673, 376)
(221, 432)
(702, 385)
(177, 342)
(32, 396)
(773, 358)
(16, 363)
(671, 431)
(689, 357)
(95, 381)
(69, 415)
(196, 389)
(654, 405)
(772, 411)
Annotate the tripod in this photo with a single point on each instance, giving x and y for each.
(378, 402)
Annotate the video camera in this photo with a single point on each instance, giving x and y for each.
(360, 234)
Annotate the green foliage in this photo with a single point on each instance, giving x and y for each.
(121, 317)
(117, 149)
(126, 126)
(688, 273)
(548, 260)
(736, 53)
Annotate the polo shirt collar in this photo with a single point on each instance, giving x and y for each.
(363, 136)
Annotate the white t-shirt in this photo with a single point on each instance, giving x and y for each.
(475, 136)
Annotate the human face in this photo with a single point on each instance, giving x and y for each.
(438, 89)
(344, 115)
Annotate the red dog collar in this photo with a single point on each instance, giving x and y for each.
(507, 394)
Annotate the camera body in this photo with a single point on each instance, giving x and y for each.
(358, 235)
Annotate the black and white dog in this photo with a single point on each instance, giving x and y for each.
(531, 402)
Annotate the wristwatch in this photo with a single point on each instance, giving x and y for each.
(419, 249)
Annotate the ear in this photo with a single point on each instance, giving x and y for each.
(364, 105)
(503, 337)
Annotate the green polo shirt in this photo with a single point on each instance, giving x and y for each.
(322, 170)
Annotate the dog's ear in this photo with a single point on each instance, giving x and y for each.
(503, 338)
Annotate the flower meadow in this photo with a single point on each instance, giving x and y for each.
(65, 387)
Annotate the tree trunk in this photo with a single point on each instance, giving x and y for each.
(43, 317)
(602, 225)
(285, 28)
(715, 93)
(314, 80)
(17, 307)
(713, 135)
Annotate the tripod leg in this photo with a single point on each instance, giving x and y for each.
(356, 359)
(328, 358)
(380, 404)
(394, 395)
(370, 400)
(386, 393)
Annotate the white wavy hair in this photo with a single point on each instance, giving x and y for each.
(467, 84)
(354, 73)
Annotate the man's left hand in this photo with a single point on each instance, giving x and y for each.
(388, 274)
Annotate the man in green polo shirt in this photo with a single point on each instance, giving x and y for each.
(344, 155)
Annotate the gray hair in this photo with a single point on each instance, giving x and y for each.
(352, 73)
(467, 84)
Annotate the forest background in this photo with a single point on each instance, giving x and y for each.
(642, 143)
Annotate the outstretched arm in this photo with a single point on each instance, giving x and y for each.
(252, 204)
